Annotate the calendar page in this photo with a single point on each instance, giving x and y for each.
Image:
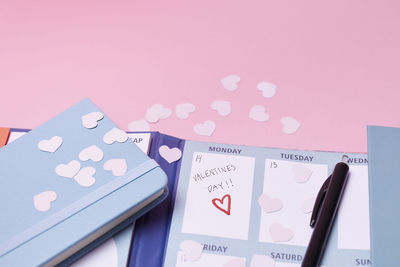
(238, 206)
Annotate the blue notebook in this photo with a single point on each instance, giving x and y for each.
(384, 185)
(70, 184)
(114, 251)
(239, 206)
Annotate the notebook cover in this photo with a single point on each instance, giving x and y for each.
(113, 248)
(39, 229)
(384, 184)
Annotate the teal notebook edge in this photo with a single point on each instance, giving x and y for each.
(126, 200)
(384, 186)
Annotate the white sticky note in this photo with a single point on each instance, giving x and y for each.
(353, 214)
(280, 182)
(219, 195)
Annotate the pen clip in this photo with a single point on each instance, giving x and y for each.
(318, 202)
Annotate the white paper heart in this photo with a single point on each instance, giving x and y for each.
(42, 201)
(301, 173)
(192, 250)
(280, 233)
(115, 135)
(206, 128)
(92, 152)
(85, 177)
(258, 113)
(50, 145)
(68, 170)
(269, 204)
(308, 205)
(117, 166)
(230, 82)
(235, 263)
(139, 126)
(170, 154)
(90, 120)
(157, 112)
(290, 125)
(222, 107)
(267, 89)
(262, 261)
(183, 110)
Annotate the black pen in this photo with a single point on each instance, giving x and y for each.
(324, 212)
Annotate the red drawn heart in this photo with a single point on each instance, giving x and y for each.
(221, 202)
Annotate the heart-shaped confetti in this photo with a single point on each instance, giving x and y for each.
(118, 167)
(139, 126)
(183, 110)
(258, 113)
(269, 204)
(50, 145)
(91, 153)
(192, 250)
(301, 173)
(223, 204)
(222, 107)
(90, 120)
(170, 154)
(68, 170)
(85, 177)
(206, 128)
(290, 125)
(115, 135)
(157, 112)
(262, 261)
(268, 89)
(279, 233)
(230, 82)
(42, 201)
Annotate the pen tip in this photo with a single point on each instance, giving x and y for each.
(312, 222)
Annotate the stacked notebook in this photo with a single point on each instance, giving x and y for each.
(70, 184)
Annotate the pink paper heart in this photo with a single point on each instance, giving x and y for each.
(279, 233)
(262, 261)
(192, 250)
(269, 204)
(301, 173)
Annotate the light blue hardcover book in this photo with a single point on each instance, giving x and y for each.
(384, 186)
(70, 184)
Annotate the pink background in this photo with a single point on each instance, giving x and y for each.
(336, 65)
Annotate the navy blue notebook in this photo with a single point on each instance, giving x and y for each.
(232, 205)
(152, 230)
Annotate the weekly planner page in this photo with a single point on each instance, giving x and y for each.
(238, 206)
